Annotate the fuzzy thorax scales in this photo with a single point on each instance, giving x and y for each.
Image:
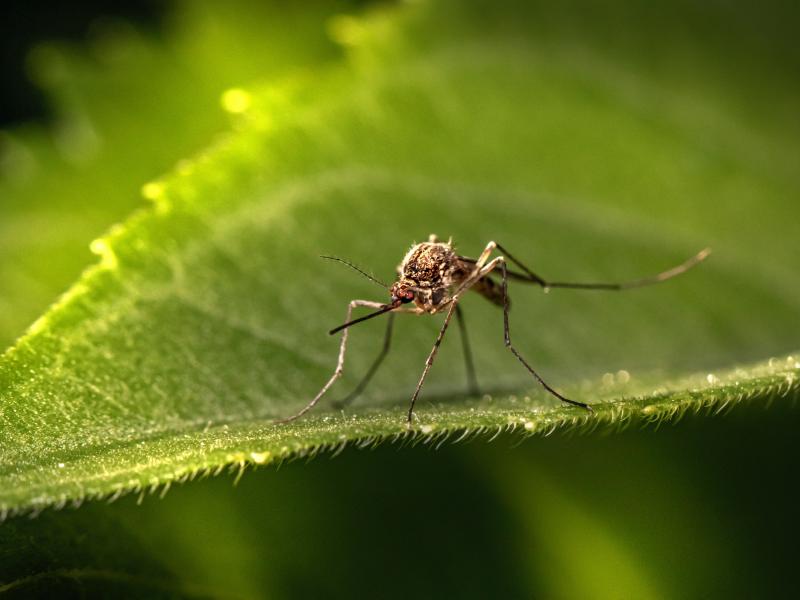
(430, 271)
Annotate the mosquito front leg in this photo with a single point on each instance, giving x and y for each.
(387, 343)
(431, 356)
(500, 261)
(339, 365)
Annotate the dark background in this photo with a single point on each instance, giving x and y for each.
(23, 24)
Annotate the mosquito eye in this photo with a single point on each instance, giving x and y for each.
(407, 297)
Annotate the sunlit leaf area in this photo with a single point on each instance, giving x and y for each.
(163, 301)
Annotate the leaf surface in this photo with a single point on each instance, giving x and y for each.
(127, 106)
(206, 316)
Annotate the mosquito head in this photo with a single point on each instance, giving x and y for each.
(402, 292)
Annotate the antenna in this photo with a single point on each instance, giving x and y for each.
(355, 268)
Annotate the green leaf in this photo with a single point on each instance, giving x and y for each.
(127, 107)
(206, 316)
(547, 517)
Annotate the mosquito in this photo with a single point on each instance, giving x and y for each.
(434, 277)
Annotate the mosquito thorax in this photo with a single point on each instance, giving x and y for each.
(430, 270)
(429, 264)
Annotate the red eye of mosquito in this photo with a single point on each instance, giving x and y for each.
(407, 297)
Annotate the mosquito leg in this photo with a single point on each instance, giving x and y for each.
(529, 275)
(387, 342)
(339, 365)
(485, 255)
(431, 356)
(507, 336)
(479, 269)
(472, 381)
(507, 339)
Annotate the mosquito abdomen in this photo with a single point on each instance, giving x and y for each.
(490, 290)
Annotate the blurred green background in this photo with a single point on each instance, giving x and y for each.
(703, 508)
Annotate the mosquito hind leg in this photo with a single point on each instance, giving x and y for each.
(485, 255)
(530, 276)
(339, 365)
(500, 261)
